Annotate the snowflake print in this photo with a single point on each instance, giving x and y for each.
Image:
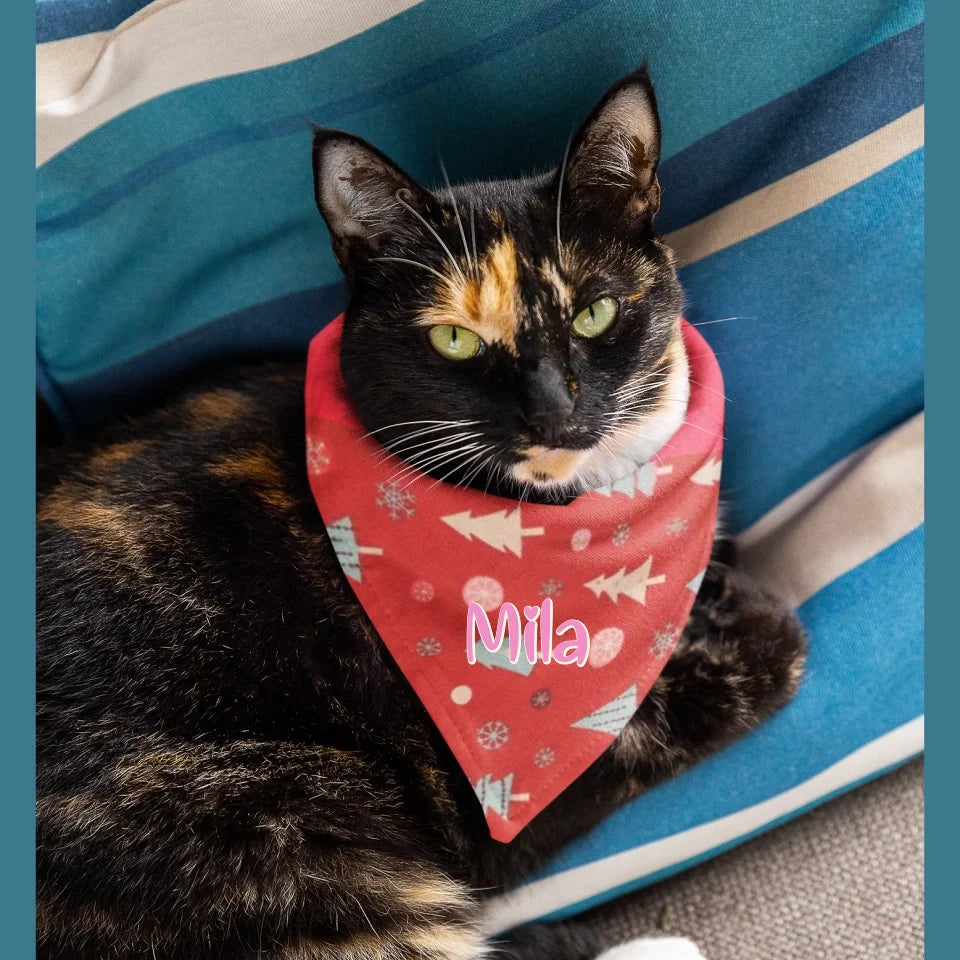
(540, 699)
(677, 526)
(428, 647)
(318, 459)
(493, 735)
(544, 757)
(483, 590)
(421, 591)
(665, 640)
(580, 540)
(395, 500)
(550, 588)
(621, 535)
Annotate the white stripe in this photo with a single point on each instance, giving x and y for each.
(574, 886)
(800, 191)
(82, 82)
(840, 519)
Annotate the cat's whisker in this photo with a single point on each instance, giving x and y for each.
(435, 462)
(467, 480)
(563, 170)
(631, 388)
(473, 239)
(436, 235)
(408, 423)
(433, 446)
(415, 263)
(716, 393)
(400, 447)
(438, 463)
(709, 433)
(456, 210)
(707, 323)
(460, 466)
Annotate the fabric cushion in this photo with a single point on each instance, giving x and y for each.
(176, 224)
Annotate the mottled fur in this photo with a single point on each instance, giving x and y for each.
(230, 765)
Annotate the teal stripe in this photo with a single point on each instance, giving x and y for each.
(826, 351)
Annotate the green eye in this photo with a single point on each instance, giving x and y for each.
(596, 319)
(455, 343)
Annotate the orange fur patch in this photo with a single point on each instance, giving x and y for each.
(208, 408)
(490, 306)
(258, 469)
(544, 463)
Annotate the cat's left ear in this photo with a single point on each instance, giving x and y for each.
(612, 163)
(357, 188)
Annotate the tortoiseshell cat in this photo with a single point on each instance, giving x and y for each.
(230, 764)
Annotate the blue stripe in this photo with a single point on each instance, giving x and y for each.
(651, 878)
(58, 19)
(819, 118)
(864, 678)
(281, 327)
(328, 113)
(332, 112)
(826, 352)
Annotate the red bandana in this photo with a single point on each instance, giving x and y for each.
(626, 560)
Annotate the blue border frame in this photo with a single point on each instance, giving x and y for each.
(18, 360)
(943, 344)
(17, 25)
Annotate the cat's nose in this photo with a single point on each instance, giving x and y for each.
(548, 401)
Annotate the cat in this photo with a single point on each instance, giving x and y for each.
(229, 763)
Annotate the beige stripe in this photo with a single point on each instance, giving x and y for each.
(83, 82)
(840, 519)
(799, 191)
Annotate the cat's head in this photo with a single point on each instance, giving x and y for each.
(520, 335)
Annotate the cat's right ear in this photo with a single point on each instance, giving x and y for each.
(357, 189)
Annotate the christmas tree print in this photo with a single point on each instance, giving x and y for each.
(496, 795)
(644, 480)
(397, 501)
(694, 584)
(634, 584)
(647, 476)
(501, 658)
(500, 530)
(345, 546)
(612, 717)
(708, 474)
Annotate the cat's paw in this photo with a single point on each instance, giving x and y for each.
(663, 948)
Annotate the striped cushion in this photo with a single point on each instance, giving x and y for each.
(176, 224)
